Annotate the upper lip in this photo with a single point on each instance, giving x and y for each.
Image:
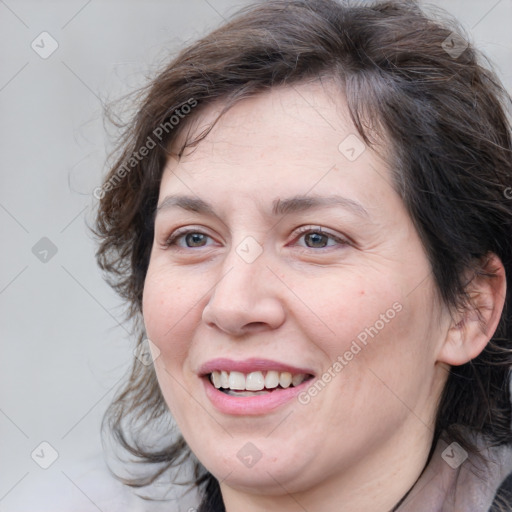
(249, 365)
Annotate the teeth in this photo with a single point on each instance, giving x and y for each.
(272, 379)
(298, 379)
(237, 381)
(254, 382)
(246, 393)
(216, 379)
(285, 379)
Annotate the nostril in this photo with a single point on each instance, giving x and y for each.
(256, 326)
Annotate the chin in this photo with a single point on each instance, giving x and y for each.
(260, 467)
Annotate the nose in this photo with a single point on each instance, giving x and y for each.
(245, 299)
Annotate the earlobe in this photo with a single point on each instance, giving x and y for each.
(472, 328)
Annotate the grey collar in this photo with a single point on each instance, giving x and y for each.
(454, 482)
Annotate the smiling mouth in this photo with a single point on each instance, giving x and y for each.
(255, 383)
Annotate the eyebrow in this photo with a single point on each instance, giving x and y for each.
(189, 203)
(294, 204)
(303, 203)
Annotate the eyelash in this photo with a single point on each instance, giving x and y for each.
(299, 233)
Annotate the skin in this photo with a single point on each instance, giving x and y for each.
(363, 441)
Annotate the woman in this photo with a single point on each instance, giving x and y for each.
(308, 215)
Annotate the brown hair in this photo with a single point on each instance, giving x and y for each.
(444, 119)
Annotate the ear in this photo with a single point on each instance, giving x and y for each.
(472, 328)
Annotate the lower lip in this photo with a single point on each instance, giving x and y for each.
(251, 405)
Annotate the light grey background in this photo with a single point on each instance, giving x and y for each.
(63, 348)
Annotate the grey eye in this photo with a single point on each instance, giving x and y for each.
(195, 239)
(316, 240)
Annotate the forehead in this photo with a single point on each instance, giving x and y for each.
(279, 118)
(292, 139)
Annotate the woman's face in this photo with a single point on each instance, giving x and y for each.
(282, 252)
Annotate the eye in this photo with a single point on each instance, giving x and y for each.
(189, 239)
(316, 238)
(195, 239)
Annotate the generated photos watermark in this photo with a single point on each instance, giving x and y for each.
(357, 345)
(151, 142)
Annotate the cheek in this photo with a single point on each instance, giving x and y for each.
(171, 312)
(170, 307)
(349, 307)
(370, 332)
(388, 366)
